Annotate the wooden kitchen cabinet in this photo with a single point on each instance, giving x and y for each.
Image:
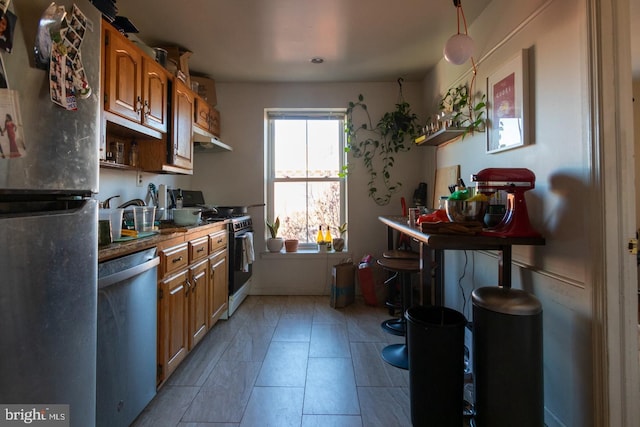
(218, 287)
(206, 116)
(136, 87)
(182, 103)
(173, 310)
(192, 292)
(174, 153)
(197, 296)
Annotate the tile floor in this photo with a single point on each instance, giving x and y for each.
(287, 361)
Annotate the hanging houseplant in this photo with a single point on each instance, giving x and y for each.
(377, 145)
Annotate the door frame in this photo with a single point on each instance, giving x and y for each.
(615, 344)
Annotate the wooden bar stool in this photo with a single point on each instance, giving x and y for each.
(396, 354)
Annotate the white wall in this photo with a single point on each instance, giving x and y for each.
(124, 183)
(555, 34)
(238, 177)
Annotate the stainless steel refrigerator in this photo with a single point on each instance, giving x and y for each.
(48, 227)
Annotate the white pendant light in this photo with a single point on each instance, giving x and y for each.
(460, 47)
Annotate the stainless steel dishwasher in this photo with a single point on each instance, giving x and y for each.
(127, 336)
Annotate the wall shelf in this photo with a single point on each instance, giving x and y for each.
(440, 137)
(112, 165)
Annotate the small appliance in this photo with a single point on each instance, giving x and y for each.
(515, 182)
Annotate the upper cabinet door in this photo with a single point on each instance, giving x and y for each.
(122, 76)
(182, 132)
(136, 87)
(202, 113)
(206, 117)
(154, 95)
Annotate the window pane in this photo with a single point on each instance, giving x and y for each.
(324, 158)
(290, 148)
(304, 206)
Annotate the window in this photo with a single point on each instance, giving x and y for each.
(305, 155)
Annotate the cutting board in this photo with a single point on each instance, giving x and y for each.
(444, 178)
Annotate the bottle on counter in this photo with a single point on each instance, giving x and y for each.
(320, 237)
(327, 238)
(179, 200)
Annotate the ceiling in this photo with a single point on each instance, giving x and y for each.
(274, 40)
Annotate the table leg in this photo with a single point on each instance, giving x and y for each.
(438, 281)
(504, 266)
(390, 245)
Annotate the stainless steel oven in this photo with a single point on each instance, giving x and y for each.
(240, 260)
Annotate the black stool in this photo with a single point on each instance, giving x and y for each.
(396, 354)
(397, 325)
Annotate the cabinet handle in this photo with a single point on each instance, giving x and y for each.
(138, 104)
(146, 109)
(187, 287)
(220, 240)
(200, 250)
(195, 282)
(176, 259)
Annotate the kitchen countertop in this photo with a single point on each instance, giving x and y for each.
(118, 249)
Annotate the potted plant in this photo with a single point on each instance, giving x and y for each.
(338, 242)
(457, 108)
(274, 243)
(291, 245)
(379, 145)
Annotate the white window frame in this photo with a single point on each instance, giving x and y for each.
(305, 114)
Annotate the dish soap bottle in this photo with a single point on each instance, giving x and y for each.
(327, 238)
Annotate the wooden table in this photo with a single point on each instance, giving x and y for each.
(432, 279)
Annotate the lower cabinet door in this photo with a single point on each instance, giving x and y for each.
(173, 313)
(197, 302)
(218, 295)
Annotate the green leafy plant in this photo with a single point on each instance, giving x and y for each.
(377, 145)
(273, 227)
(342, 229)
(457, 106)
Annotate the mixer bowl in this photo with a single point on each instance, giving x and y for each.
(465, 211)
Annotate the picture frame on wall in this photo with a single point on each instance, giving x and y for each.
(508, 119)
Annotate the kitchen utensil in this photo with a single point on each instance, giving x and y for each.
(187, 216)
(465, 211)
(143, 217)
(115, 217)
(153, 193)
(515, 181)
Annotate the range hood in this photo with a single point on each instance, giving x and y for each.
(205, 141)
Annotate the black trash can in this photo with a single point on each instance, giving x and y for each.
(435, 340)
(507, 358)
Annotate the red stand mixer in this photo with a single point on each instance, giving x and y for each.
(514, 181)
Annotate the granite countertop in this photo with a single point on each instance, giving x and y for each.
(166, 232)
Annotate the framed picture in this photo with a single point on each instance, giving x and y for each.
(507, 110)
